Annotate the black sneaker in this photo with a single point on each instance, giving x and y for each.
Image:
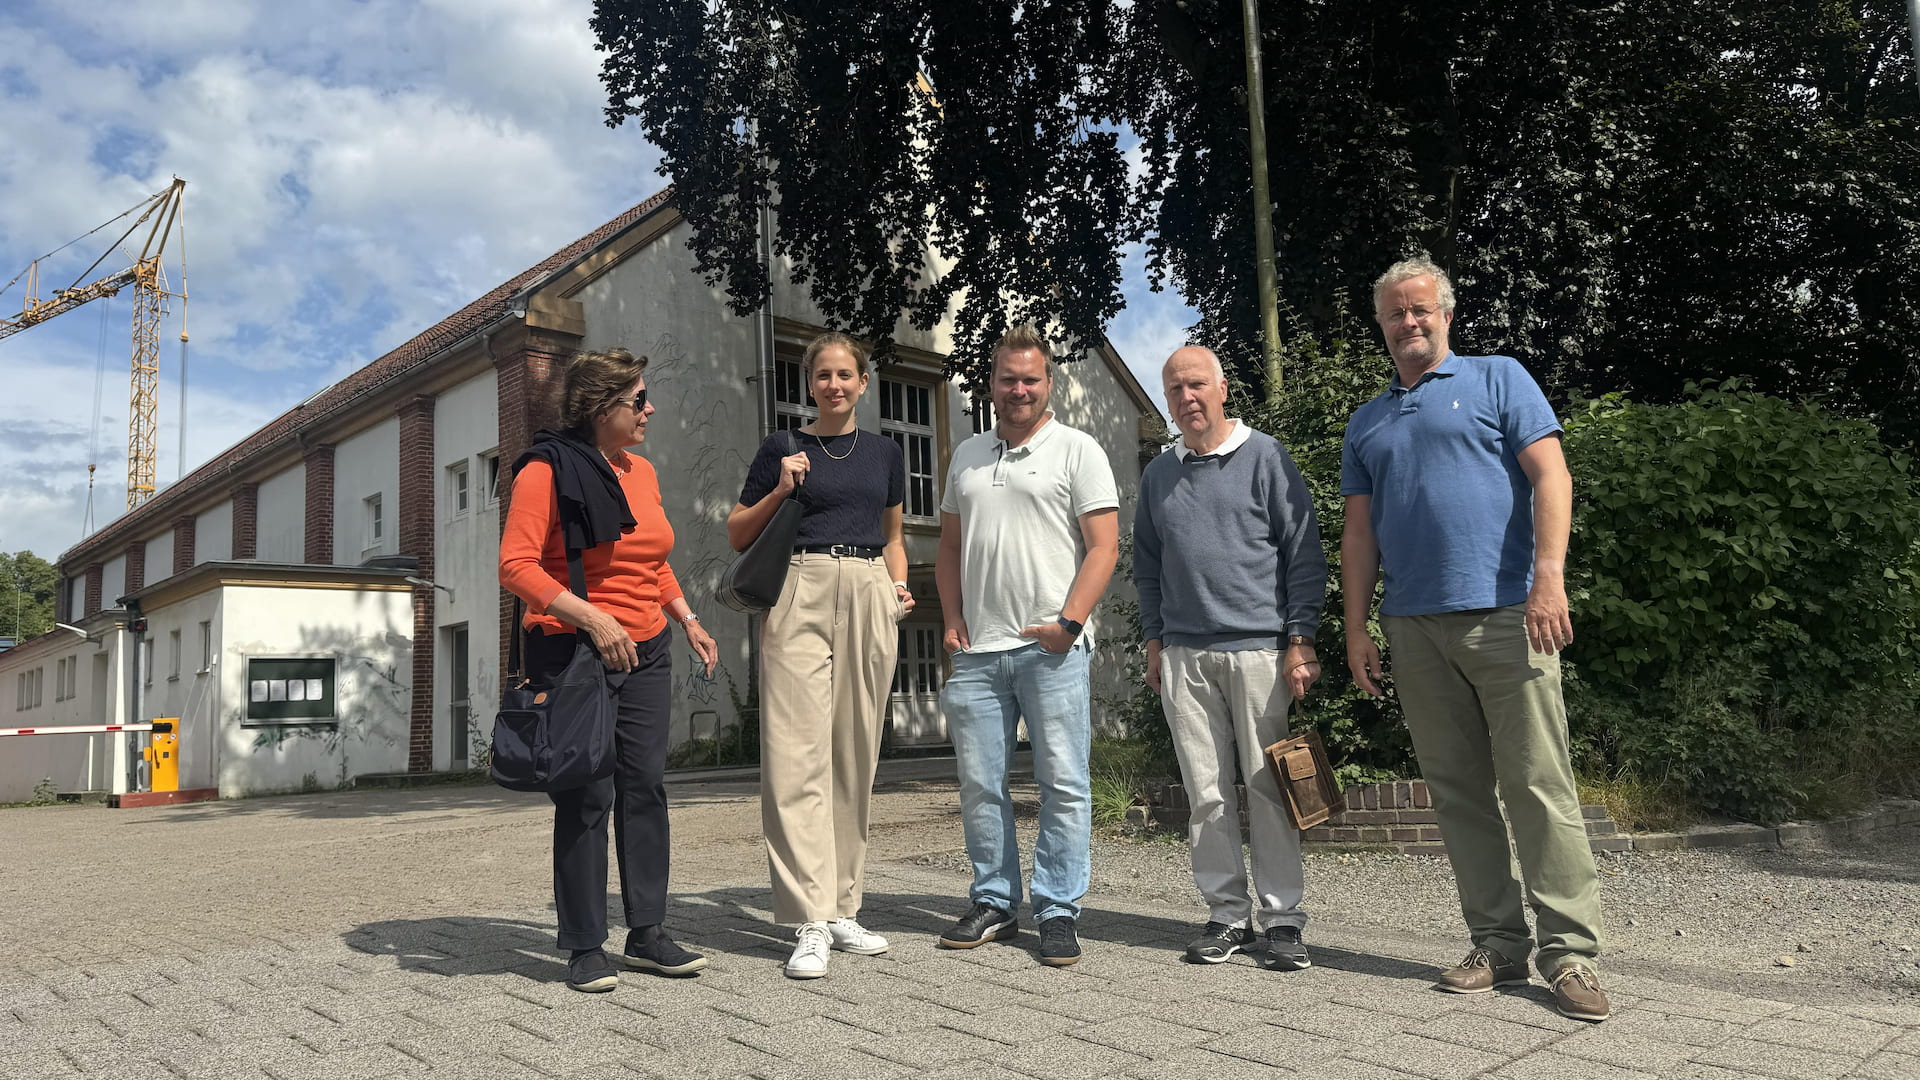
(1059, 946)
(982, 923)
(590, 972)
(1217, 942)
(660, 956)
(1284, 950)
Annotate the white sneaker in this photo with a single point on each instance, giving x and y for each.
(809, 959)
(850, 936)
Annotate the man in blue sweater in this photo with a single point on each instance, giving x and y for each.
(1227, 560)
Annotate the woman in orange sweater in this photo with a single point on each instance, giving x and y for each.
(578, 488)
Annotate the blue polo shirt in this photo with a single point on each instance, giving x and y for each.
(1451, 508)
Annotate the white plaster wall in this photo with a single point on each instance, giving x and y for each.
(364, 464)
(75, 763)
(213, 534)
(466, 558)
(192, 696)
(113, 580)
(701, 359)
(280, 516)
(369, 634)
(159, 561)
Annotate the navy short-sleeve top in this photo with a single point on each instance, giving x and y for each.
(851, 479)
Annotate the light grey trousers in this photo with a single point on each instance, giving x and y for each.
(1227, 707)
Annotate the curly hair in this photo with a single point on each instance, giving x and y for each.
(593, 383)
(1417, 266)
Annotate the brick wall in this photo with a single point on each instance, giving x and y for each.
(95, 576)
(319, 548)
(183, 531)
(525, 381)
(136, 566)
(246, 521)
(415, 522)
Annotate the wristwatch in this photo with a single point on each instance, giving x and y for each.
(1072, 628)
(1300, 639)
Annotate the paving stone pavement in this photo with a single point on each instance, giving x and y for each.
(439, 962)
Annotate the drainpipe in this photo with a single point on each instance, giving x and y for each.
(763, 347)
(136, 636)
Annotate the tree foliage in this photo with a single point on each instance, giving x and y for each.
(27, 585)
(1633, 194)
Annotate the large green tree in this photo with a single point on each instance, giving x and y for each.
(1631, 193)
(27, 584)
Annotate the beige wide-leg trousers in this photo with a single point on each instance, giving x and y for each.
(827, 653)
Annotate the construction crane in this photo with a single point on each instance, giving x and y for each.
(162, 215)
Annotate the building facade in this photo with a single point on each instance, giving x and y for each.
(320, 602)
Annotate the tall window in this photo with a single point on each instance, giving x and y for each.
(376, 526)
(982, 413)
(146, 661)
(459, 698)
(791, 405)
(906, 416)
(173, 645)
(918, 669)
(490, 478)
(206, 646)
(459, 493)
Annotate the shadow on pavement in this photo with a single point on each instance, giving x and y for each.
(457, 945)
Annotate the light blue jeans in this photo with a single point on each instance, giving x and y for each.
(984, 701)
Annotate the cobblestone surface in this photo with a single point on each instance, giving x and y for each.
(380, 934)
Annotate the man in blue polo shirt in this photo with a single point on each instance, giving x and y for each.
(1455, 484)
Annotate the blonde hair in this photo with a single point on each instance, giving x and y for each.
(832, 339)
(593, 383)
(1021, 338)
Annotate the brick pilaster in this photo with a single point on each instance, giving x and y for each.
(183, 531)
(96, 576)
(319, 548)
(416, 532)
(136, 566)
(246, 521)
(525, 380)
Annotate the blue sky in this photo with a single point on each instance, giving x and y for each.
(357, 171)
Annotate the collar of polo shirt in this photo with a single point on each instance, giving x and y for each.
(1447, 368)
(1235, 441)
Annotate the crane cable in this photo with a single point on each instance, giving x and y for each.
(99, 389)
(180, 462)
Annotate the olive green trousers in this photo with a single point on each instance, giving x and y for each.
(1490, 728)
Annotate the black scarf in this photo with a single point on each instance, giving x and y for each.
(593, 507)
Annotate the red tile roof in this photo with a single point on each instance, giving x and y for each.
(359, 388)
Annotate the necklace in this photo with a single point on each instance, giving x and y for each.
(837, 457)
(610, 464)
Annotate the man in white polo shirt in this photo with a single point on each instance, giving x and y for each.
(1029, 534)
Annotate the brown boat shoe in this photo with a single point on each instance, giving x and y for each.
(1481, 971)
(1577, 993)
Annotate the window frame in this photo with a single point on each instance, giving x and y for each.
(903, 430)
(288, 711)
(206, 646)
(489, 477)
(459, 490)
(790, 413)
(372, 512)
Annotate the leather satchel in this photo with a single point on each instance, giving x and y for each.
(753, 581)
(1306, 780)
(556, 734)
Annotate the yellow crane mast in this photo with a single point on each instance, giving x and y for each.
(161, 214)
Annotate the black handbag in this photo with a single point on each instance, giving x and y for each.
(753, 581)
(555, 734)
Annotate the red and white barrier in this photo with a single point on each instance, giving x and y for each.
(82, 729)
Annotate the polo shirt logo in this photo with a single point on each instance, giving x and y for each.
(1456, 403)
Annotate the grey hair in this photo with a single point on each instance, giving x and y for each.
(1417, 266)
(1219, 369)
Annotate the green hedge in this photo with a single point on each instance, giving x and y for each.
(1744, 584)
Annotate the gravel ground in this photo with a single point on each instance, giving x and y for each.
(1844, 917)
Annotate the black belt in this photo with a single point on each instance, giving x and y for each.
(841, 551)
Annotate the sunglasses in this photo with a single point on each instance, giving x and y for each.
(638, 401)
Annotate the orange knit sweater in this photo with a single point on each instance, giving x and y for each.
(628, 578)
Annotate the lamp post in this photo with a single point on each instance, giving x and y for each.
(1263, 201)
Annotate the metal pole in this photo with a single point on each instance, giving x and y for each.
(1913, 25)
(1263, 202)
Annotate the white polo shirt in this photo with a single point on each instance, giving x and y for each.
(1020, 510)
